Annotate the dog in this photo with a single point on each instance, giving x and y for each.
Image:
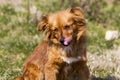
(62, 54)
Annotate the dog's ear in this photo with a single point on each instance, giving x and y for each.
(78, 16)
(79, 20)
(43, 23)
(77, 11)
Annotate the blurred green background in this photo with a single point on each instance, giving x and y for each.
(18, 34)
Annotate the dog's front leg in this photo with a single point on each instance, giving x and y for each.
(84, 73)
(51, 72)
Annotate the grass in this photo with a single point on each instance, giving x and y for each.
(96, 38)
(18, 38)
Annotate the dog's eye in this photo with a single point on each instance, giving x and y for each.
(55, 30)
(67, 27)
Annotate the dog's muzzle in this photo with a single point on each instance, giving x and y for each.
(65, 41)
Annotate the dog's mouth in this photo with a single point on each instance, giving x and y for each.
(65, 41)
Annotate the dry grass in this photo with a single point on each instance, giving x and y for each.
(105, 65)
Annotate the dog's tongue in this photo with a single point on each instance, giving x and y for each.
(66, 41)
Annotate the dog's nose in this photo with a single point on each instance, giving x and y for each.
(62, 39)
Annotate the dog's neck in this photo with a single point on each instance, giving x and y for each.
(70, 60)
(70, 54)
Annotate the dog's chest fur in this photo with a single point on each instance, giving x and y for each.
(67, 54)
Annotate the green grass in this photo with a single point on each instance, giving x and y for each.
(18, 38)
(96, 37)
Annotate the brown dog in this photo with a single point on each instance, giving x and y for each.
(62, 56)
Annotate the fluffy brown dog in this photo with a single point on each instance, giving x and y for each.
(62, 56)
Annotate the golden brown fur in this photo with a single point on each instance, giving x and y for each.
(62, 56)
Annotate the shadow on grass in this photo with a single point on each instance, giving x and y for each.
(108, 77)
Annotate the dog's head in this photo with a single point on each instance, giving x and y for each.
(64, 26)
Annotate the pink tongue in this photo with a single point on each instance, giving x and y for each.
(66, 41)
